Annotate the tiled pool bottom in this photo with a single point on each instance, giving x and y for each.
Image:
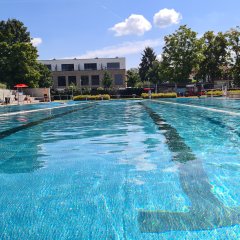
(122, 170)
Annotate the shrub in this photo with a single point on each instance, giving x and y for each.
(160, 95)
(234, 91)
(91, 97)
(3, 85)
(214, 93)
(100, 89)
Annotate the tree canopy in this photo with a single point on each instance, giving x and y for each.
(133, 77)
(45, 79)
(210, 57)
(148, 57)
(180, 54)
(155, 74)
(107, 80)
(13, 31)
(233, 37)
(18, 57)
(214, 56)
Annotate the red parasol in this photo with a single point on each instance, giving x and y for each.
(147, 89)
(21, 85)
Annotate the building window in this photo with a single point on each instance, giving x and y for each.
(67, 67)
(62, 81)
(90, 66)
(95, 80)
(84, 80)
(72, 80)
(49, 66)
(113, 65)
(118, 79)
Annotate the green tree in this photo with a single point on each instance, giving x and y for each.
(233, 36)
(107, 80)
(19, 64)
(180, 54)
(13, 31)
(154, 74)
(18, 57)
(45, 79)
(214, 56)
(133, 77)
(148, 57)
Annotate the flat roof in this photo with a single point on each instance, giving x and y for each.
(66, 59)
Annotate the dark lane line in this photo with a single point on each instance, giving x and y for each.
(31, 124)
(182, 152)
(206, 211)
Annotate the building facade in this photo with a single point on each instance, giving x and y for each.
(86, 73)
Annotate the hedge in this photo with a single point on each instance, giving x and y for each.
(91, 97)
(214, 93)
(159, 95)
(234, 91)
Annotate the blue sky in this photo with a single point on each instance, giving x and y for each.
(110, 28)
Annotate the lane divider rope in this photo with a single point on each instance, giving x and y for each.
(41, 109)
(199, 107)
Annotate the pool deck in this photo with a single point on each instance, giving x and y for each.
(14, 103)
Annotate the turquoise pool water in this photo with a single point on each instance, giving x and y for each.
(167, 169)
(26, 107)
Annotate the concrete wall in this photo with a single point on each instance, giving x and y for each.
(37, 92)
(221, 83)
(89, 73)
(233, 95)
(6, 93)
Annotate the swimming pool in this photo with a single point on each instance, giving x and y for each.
(162, 169)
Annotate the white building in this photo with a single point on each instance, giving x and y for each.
(86, 73)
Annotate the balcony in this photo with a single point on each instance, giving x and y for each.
(88, 70)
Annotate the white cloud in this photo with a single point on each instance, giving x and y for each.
(123, 49)
(134, 24)
(159, 57)
(166, 17)
(36, 41)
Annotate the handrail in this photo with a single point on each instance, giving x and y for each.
(81, 70)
